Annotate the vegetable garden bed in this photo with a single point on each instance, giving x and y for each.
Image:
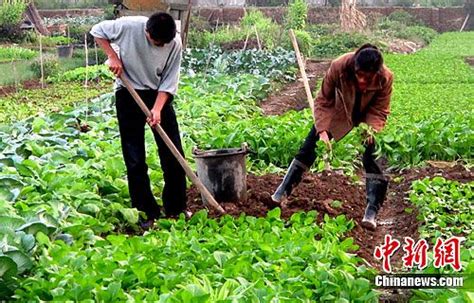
(64, 204)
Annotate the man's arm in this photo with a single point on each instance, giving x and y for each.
(114, 62)
(169, 83)
(104, 33)
(170, 74)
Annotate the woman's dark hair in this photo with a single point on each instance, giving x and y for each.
(161, 27)
(368, 58)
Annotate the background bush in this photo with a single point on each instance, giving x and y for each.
(11, 13)
(338, 44)
(420, 34)
(50, 66)
(269, 32)
(404, 18)
(297, 15)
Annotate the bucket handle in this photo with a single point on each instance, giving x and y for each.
(244, 147)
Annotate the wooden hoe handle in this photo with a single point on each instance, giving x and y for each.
(189, 172)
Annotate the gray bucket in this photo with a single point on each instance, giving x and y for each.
(65, 51)
(223, 173)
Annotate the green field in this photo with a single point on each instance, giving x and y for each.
(64, 198)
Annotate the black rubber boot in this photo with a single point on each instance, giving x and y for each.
(376, 189)
(290, 181)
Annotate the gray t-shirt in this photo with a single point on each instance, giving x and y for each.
(147, 66)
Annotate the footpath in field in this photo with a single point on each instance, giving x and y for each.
(292, 96)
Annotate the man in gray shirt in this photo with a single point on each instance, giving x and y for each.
(148, 52)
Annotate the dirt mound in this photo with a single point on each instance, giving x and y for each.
(470, 61)
(321, 192)
(293, 95)
(402, 46)
(28, 84)
(240, 44)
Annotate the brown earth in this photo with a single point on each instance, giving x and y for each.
(318, 191)
(402, 46)
(470, 61)
(238, 45)
(29, 84)
(293, 95)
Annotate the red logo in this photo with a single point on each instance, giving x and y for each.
(386, 251)
(415, 253)
(448, 253)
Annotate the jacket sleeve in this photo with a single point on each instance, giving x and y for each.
(379, 110)
(324, 107)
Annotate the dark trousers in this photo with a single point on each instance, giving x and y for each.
(132, 133)
(307, 153)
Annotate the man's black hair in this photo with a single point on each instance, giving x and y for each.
(161, 27)
(368, 58)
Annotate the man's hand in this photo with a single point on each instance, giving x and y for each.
(325, 138)
(115, 65)
(160, 102)
(155, 117)
(114, 62)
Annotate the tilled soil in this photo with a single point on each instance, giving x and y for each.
(240, 44)
(318, 191)
(402, 46)
(470, 61)
(293, 95)
(28, 84)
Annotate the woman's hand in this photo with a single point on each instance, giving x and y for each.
(367, 134)
(325, 138)
(369, 140)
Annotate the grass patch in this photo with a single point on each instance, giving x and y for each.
(15, 72)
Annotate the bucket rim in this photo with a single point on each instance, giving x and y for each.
(217, 153)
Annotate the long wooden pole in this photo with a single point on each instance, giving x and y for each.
(86, 82)
(309, 95)
(184, 37)
(86, 50)
(15, 74)
(41, 60)
(465, 22)
(326, 156)
(96, 54)
(189, 172)
(258, 38)
(246, 40)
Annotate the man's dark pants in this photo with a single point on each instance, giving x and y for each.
(132, 133)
